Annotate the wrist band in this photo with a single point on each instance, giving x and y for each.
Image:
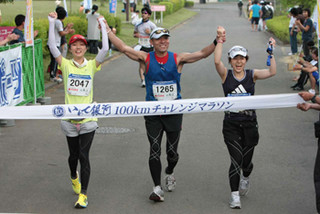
(215, 42)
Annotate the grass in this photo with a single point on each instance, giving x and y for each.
(41, 10)
(279, 26)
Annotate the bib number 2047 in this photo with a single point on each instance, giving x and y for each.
(77, 83)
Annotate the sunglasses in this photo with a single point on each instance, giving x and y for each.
(239, 49)
(160, 31)
(145, 12)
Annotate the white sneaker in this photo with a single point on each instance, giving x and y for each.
(244, 185)
(312, 91)
(143, 83)
(56, 79)
(289, 54)
(235, 200)
(157, 195)
(170, 182)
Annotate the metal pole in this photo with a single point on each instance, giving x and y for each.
(33, 61)
(127, 11)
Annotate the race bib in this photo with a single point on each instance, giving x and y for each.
(166, 90)
(79, 85)
(238, 95)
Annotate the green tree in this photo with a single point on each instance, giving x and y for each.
(306, 3)
(6, 1)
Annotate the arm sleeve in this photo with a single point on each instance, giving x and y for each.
(105, 43)
(51, 40)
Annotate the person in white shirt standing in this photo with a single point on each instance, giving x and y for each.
(93, 32)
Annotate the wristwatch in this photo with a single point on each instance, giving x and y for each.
(313, 99)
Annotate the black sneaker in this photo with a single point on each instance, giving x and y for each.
(298, 88)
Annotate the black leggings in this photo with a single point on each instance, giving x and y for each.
(241, 158)
(155, 137)
(240, 153)
(317, 177)
(79, 148)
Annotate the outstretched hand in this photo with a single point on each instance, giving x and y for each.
(304, 106)
(104, 21)
(13, 36)
(221, 34)
(52, 16)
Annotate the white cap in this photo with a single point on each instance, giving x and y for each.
(158, 32)
(237, 50)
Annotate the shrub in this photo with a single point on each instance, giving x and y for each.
(169, 8)
(176, 5)
(189, 4)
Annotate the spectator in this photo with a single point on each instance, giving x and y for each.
(256, 13)
(240, 4)
(146, 3)
(59, 32)
(312, 69)
(249, 11)
(9, 38)
(19, 20)
(135, 18)
(303, 78)
(142, 31)
(93, 32)
(124, 6)
(81, 9)
(132, 5)
(306, 28)
(305, 107)
(267, 14)
(293, 30)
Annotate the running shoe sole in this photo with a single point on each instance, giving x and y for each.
(156, 198)
(78, 206)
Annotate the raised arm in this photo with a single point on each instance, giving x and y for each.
(183, 58)
(105, 43)
(266, 73)
(123, 48)
(221, 69)
(51, 39)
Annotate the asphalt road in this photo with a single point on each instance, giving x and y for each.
(34, 175)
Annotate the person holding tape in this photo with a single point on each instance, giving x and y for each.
(307, 96)
(78, 76)
(240, 128)
(162, 76)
